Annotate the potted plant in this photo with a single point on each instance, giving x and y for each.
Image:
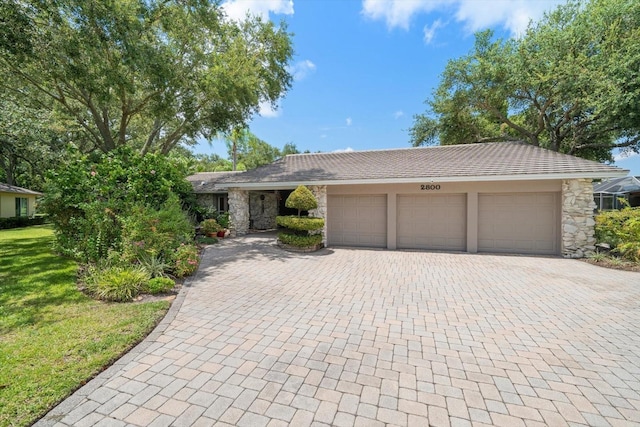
(210, 227)
(223, 221)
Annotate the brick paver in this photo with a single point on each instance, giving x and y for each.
(262, 337)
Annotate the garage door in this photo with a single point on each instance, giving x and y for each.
(357, 221)
(525, 223)
(432, 222)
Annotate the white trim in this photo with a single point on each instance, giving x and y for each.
(484, 178)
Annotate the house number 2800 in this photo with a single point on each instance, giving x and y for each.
(429, 187)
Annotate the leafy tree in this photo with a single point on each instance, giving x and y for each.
(29, 143)
(570, 84)
(247, 151)
(289, 148)
(149, 74)
(210, 163)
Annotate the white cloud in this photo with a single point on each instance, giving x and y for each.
(343, 150)
(237, 9)
(349, 121)
(302, 69)
(430, 30)
(513, 15)
(269, 111)
(398, 114)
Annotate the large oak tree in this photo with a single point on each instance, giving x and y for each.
(571, 83)
(146, 73)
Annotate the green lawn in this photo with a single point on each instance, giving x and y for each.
(52, 337)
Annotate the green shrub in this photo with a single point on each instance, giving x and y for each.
(210, 226)
(301, 199)
(186, 260)
(115, 283)
(300, 223)
(621, 230)
(206, 240)
(223, 220)
(153, 265)
(20, 221)
(300, 241)
(88, 196)
(147, 232)
(159, 285)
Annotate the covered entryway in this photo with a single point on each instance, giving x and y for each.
(357, 220)
(524, 223)
(436, 222)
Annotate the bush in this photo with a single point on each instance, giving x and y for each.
(300, 241)
(88, 196)
(300, 223)
(210, 226)
(621, 230)
(115, 283)
(159, 285)
(20, 221)
(206, 240)
(301, 199)
(186, 260)
(147, 232)
(153, 265)
(223, 220)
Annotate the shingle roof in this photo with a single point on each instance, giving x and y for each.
(625, 184)
(205, 182)
(487, 161)
(6, 188)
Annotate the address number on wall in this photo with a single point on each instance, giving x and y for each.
(430, 187)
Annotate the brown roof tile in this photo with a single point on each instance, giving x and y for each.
(515, 160)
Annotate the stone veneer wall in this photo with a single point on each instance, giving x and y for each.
(578, 237)
(239, 211)
(320, 191)
(262, 212)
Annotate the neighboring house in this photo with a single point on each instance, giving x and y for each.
(17, 201)
(607, 193)
(208, 193)
(492, 197)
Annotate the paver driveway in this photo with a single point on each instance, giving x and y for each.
(366, 337)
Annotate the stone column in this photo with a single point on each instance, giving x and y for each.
(320, 192)
(578, 237)
(238, 211)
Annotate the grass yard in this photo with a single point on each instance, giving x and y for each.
(52, 337)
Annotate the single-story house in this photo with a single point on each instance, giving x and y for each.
(507, 197)
(607, 193)
(17, 201)
(210, 192)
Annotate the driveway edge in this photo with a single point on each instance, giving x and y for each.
(74, 399)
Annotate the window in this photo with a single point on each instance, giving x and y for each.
(22, 206)
(222, 204)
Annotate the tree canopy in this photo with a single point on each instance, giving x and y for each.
(571, 83)
(148, 74)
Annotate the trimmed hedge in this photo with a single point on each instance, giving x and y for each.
(302, 199)
(300, 241)
(20, 221)
(300, 223)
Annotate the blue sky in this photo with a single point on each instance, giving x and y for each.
(363, 68)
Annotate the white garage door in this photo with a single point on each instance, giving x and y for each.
(357, 221)
(525, 223)
(432, 222)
